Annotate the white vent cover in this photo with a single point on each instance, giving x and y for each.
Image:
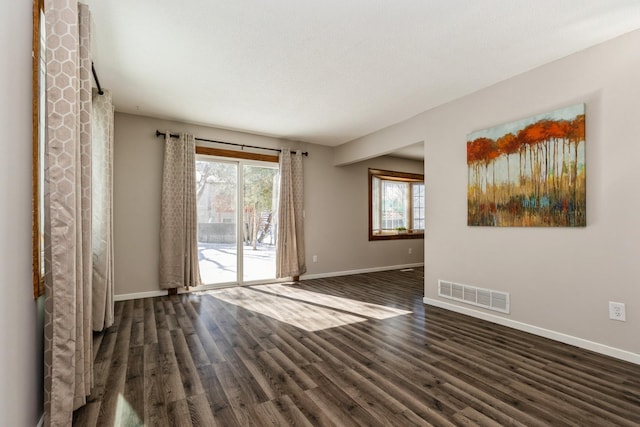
(485, 298)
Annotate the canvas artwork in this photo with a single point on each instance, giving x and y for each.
(529, 173)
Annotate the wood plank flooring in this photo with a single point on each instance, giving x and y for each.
(344, 351)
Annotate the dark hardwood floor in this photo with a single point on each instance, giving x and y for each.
(355, 350)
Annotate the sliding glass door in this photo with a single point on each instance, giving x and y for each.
(236, 222)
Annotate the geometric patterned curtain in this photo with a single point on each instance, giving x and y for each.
(290, 248)
(67, 211)
(178, 218)
(102, 201)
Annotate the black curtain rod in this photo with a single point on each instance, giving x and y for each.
(95, 77)
(175, 135)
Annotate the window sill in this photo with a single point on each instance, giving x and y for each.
(397, 236)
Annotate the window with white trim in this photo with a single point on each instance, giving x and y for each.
(396, 205)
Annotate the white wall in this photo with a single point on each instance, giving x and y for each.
(335, 205)
(560, 279)
(336, 224)
(20, 330)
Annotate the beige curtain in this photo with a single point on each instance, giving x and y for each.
(290, 253)
(178, 218)
(102, 199)
(67, 208)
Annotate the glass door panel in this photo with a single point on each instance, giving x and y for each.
(260, 192)
(216, 194)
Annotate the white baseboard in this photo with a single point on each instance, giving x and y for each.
(364, 270)
(138, 295)
(535, 330)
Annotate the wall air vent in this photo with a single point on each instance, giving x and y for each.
(485, 298)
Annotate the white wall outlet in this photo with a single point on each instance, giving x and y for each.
(617, 311)
(315, 258)
(410, 251)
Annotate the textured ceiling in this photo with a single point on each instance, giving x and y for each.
(329, 71)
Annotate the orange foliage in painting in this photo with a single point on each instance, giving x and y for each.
(478, 150)
(533, 134)
(508, 144)
(484, 149)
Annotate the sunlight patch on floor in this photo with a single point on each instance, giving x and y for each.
(125, 414)
(311, 311)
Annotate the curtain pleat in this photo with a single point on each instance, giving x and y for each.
(192, 261)
(67, 210)
(178, 219)
(290, 249)
(84, 351)
(102, 198)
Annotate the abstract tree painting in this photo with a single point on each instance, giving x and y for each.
(529, 173)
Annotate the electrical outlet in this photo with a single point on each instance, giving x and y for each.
(315, 258)
(410, 251)
(617, 311)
